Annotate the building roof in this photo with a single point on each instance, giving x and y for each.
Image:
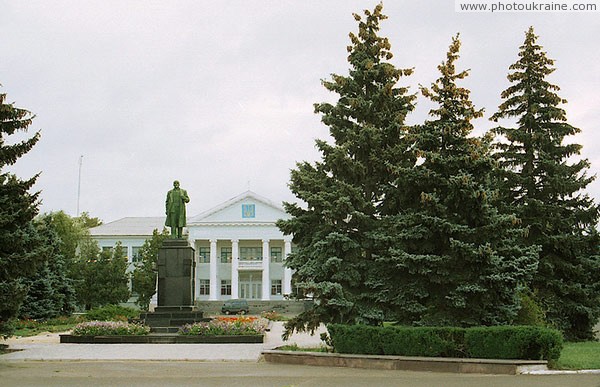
(144, 226)
(132, 226)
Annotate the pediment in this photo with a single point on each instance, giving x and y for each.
(248, 207)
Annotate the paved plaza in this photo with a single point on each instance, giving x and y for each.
(42, 361)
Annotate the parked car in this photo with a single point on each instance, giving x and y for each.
(235, 307)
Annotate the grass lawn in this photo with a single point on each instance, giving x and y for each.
(579, 356)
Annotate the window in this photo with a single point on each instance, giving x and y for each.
(135, 254)
(225, 254)
(276, 254)
(226, 287)
(204, 287)
(204, 254)
(276, 287)
(251, 253)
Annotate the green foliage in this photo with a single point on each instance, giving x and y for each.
(51, 292)
(101, 277)
(543, 186)
(20, 243)
(145, 273)
(110, 328)
(531, 313)
(71, 231)
(514, 342)
(28, 327)
(579, 356)
(502, 342)
(112, 313)
(334, 232)
(450, 257)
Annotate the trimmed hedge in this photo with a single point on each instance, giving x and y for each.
(504, 342)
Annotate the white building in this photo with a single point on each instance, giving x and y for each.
(239, 249)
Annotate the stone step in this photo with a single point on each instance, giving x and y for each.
(183, 321)
(164, 329)
(176, 308)
(163, 315)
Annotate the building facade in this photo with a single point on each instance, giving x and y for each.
(239, 251)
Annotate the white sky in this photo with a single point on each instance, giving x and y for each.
(219, 94)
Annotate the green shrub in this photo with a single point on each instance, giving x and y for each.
(112, 313)
(361, 339)
(506, 342)
(514, 342)
(423, 341)
(531, 313)
(109, 328)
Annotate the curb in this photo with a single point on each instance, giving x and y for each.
(405, 363)
(156, 338)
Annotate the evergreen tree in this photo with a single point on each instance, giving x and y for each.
(51, 291)
(452, 258)
(343, 192)
(19, 240)
(145, 273)
(545, 189)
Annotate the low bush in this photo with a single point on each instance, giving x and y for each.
(109, 328)
(112, 313)
(514, 342)
(509, 342)
(227, 326)
(29, 327)
(272, 316)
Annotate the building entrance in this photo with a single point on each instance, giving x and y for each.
(250, 285)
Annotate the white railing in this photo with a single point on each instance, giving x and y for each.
(249, 265)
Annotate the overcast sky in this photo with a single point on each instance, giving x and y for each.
(219, 94)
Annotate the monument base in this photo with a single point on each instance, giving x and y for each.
(176, 269)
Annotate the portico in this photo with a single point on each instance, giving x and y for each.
(240, 251)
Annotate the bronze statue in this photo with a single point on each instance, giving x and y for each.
(175, 210)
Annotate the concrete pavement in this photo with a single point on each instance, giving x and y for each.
(47, 348)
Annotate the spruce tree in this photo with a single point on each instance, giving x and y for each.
(544, 187)
(51, 292)
(452, 257)
(333, 233)
(19, 240)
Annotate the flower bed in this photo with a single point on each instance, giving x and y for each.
(110, 328)
(227, 326)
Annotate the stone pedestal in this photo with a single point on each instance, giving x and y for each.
(176, 269)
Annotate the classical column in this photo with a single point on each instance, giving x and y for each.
(266, 280)
(235, 262)
(287, 272)
(213, 270)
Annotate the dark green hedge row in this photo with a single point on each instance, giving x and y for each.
(502, 342)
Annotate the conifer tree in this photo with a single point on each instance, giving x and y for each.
(19, 240)
(545, 189)
(343, 191)
(452, 257)
(51, 291)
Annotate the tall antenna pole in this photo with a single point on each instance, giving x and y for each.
(79, 183)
